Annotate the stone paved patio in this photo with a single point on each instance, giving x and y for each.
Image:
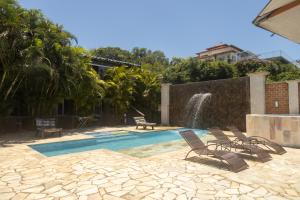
(104, 174)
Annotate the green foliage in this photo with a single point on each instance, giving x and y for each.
(87, 89)
(39, 67)
(147, 95)
(121, 83)
(286, 76)
(127, 87)
(115, 53)
(193, 70)
(249, 66)
(278, 71)
(133, 87)
(154, 61)
(242, 68)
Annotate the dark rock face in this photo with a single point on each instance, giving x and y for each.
(229, 104)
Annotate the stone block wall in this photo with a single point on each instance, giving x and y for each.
(229, 104)
(277, 92)
(232, 99)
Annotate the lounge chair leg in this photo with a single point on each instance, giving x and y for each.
(188, 154)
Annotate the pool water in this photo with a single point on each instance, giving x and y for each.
(115, 142)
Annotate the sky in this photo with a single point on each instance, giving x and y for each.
(178, 28)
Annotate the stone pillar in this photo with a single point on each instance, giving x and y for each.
(293, 97)
(257, 92)
(165, 102)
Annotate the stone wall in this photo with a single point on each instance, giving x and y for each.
(277, 92)
(230, 102)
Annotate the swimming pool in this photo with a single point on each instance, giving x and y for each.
(115, 142)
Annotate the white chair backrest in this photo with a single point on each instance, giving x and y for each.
(139, 119)
(45, 123)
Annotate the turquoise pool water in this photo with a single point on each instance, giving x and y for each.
(115, 142)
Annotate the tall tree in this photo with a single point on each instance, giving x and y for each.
(115, 53)
(39, 67)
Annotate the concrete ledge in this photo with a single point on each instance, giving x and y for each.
(283, 129)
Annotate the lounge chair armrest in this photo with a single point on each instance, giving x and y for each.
(212, 141)
(232, 136)
(238, 140)
(258, 137)
(196, 149)
(226, 147)
(222, 143)
(213, 144)
(219, 141)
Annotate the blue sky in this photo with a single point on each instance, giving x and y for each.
(178, 28)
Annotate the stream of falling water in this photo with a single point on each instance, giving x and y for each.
(194, 109)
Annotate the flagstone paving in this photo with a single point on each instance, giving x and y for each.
(104, 174)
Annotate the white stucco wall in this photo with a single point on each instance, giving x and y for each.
(282, 129)
(165, 102)
(293, 97)
(257, 92)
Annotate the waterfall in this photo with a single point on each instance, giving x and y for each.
(194, 108)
